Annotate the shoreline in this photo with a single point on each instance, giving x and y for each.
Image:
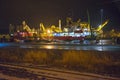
(100, 62)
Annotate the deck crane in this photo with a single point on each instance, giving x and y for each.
(26, 27)
(102, 25)
(42, 28)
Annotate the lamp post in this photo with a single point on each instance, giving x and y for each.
(101, 14)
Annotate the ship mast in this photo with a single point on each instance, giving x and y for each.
(89, 26)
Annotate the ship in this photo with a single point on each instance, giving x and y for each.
(71, 31)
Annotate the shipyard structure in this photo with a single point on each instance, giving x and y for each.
(71, 31)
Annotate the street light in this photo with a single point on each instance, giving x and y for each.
(101, 13)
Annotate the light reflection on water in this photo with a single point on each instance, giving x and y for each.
(100, 48)
(49, 47)
(63, 46)
(74, 47)
(4, 44)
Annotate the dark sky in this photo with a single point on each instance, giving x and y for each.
(50, 11)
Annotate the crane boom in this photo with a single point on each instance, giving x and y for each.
(102, 25)
(42, 28)
(27, 28)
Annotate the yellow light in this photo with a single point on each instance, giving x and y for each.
(49, 47)
(66, 30)
(48, 31)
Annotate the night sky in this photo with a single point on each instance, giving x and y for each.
(50, 11)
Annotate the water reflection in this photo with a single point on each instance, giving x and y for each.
(75, 47)
(99, 48)
(49, 47)
(64, 46)
(4, 44)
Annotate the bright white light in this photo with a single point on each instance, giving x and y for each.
(48, 31)
(65, 29)
(77, 29)
(49, 47)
